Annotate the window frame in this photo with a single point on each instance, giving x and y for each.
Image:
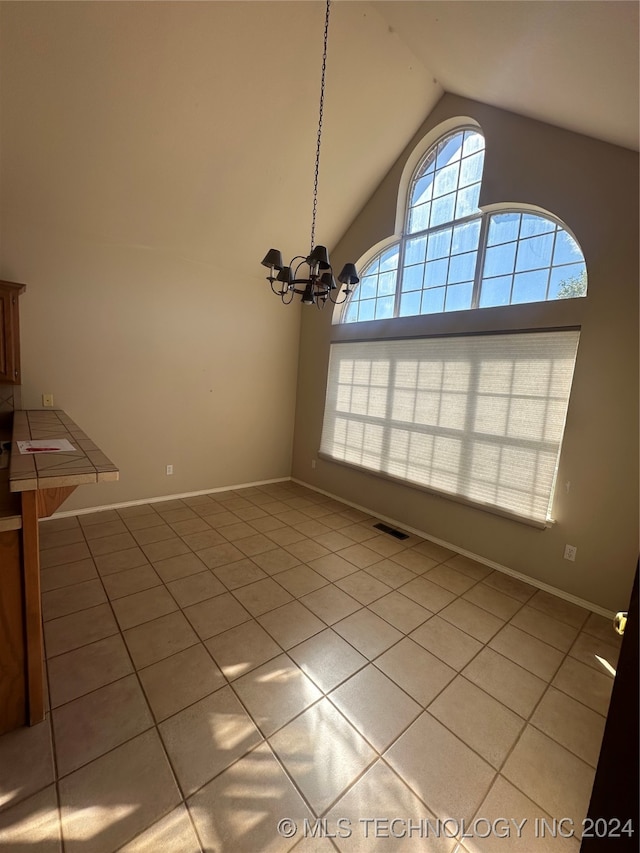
(563, 314)
(466, 436)
(484, 215)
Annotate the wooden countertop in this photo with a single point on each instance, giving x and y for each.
(35, 471)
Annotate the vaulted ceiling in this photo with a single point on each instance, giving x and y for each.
(570, 64)
(201, 118)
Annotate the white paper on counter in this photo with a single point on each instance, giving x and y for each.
(45, 445)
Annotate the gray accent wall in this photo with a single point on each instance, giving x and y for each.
(592, 187)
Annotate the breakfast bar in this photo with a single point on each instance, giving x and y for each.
(39, 480)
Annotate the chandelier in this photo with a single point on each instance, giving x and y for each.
(311, 276)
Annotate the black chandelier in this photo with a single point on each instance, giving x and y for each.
(311, 276)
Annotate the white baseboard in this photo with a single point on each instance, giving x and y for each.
(559, 593)
(163, 498)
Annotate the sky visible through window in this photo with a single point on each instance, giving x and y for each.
(452, 257)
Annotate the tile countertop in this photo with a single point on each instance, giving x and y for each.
(35, 471)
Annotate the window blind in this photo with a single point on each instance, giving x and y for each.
(477, 417)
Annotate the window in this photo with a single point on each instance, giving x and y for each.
(479, 417)
(476, 416)
(453, 257)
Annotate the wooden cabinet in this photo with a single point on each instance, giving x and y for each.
(10, 332)
(13, 699)
(12, 654)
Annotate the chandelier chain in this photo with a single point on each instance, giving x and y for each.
(316, 285)
(320, 117)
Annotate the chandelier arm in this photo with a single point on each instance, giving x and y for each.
(303, 281)
(320, 117)
(277, 292)
(346, 293)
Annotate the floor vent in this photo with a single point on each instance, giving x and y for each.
(398, 534)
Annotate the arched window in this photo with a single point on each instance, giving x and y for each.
(473, 411)
(453, 257)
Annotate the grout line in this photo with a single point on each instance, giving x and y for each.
(559, 593)
(326, 626)
(154, 725)
(54, 756)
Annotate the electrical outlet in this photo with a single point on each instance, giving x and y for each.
(47, 400)
(313, 463)
(169, 470)
(570, 552)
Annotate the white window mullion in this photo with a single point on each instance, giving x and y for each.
(482, 246)
(399, 276)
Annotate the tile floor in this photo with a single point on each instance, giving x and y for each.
(223, 662)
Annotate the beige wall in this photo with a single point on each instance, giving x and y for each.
(129, 209)
(150, 154)
(592, 186)
(145, 312)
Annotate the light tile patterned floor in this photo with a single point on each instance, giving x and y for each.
(223, 662)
